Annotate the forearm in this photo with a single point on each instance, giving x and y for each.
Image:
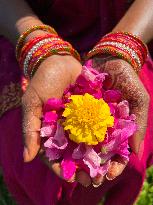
(138, 20)
(15, 17)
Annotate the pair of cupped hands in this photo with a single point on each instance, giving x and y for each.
(54, 75)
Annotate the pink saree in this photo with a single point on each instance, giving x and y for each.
(33, 183)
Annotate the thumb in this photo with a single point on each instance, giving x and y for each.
(32, 111)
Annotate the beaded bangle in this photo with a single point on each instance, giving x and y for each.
(124, 48)
(22, 38)
(120, 53)
(133, 38)
(39, 48)
(32, 55)
(61, 50)
(40, 52)
(34, 44)
(31, 43)
(123, 45)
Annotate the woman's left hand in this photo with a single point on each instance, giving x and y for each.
(123, 77)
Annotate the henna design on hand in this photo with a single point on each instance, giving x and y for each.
(31, 107)
(126, 80)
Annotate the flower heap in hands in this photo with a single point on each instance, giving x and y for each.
(87, 127)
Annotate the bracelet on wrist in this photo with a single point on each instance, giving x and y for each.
(123, 45)
(30, 54)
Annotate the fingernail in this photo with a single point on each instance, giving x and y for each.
(110, 178)
(96, 185)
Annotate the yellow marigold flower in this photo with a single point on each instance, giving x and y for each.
(87, 119)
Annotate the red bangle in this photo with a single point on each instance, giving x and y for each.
(39, 48)
(125, 42)
(40, 52)
(22, 38)
(129, 37)
(122, 45)
(28, 46)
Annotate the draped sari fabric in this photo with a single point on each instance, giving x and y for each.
(82, 23)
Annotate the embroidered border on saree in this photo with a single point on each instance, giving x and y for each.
(10, 97)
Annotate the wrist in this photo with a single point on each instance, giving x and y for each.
(25, 23)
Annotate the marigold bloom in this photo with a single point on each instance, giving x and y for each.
(87, 119)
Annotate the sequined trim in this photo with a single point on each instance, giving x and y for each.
(10, 97)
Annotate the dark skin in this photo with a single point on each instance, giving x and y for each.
(57, 72)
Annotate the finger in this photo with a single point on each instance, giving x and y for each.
(140, 109)
(136, 140)
(83, 178)
(55, 167)
(116, 168)
(98, 180)
(32, 108)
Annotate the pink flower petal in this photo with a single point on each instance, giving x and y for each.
(79, 152)
(53, 104)
(123, 109)
(47, 130)
(132, 117)
(68, 168)
(128, 127)
(92, 160)
(103, 169)
(50, 117)
(53, 153)
(59, 141)
(112, 96)
(87, 74)
(112, 108)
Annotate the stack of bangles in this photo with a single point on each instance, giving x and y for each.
(123, 45)
(30, 54)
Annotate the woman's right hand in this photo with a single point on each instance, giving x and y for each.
(54, 75)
